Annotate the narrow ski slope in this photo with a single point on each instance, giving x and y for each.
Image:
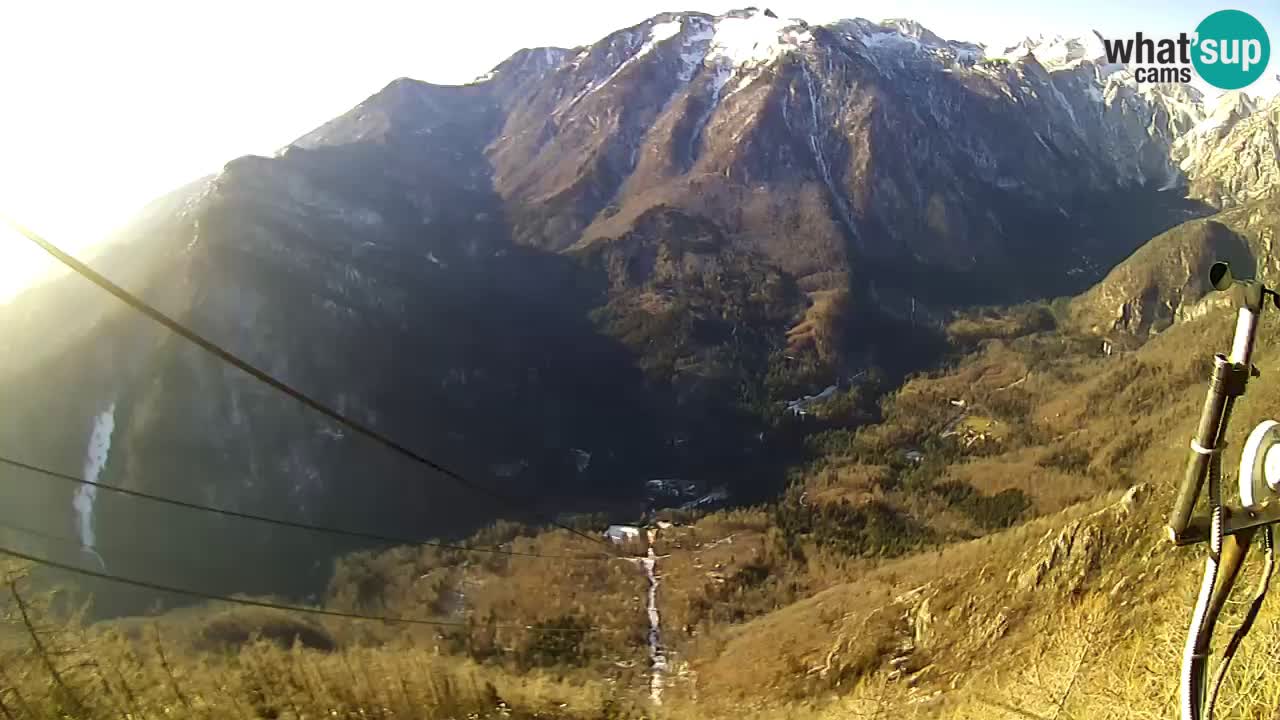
(657, 658)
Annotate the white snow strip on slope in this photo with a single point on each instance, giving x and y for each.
(95, 460)
(722, 73)
(657, 658)
(888, 38)
(1058, 52)
(657, 33)
(740, 43)
(1224, 108)
(1210, 123)
(657, 679)
(837, 197)
(748, 44)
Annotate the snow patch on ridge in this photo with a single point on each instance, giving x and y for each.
(757, 39)
(662, 31)
(693, 51)
(747, 44)
(1058, 52)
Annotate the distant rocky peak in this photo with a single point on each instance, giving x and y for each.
(1233, 156)
(1058, 52)
(529, 63)
(749, 12)
(902, 39)
(913, 29)
(1228, 109)
(734, 47)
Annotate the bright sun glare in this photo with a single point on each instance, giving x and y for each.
(23, 264)
(20, 263)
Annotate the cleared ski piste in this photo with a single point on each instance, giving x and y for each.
(658, 664)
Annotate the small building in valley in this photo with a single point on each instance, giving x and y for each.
(622, 533)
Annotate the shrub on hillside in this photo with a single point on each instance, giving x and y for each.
(1002, 510)
(1124, 449)
(1012, 405)
(233, 629)
(754, 589)
(1000, 323)
(871, 528)
(990, 512)
(1067, 458)
(560, 641)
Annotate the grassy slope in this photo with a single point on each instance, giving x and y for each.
(1088, 603)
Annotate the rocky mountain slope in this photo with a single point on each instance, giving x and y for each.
(1244, 164)
(824, 148)
(594, 266)
(1166, 280)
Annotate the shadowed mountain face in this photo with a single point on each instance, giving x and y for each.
(590, 268)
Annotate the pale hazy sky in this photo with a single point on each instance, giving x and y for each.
(107, 105)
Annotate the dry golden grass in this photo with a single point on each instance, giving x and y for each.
(160, 669)
(819, 329)
(844, 637)
(1080, 613)
(262, 680)
(855, 482)
(974, 326)
(715, 572)
(489, 591)
(1049, 488)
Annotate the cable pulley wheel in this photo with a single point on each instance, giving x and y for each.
(1260, 465)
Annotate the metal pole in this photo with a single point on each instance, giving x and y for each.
(1205, 438)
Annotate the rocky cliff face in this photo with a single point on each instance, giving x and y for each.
(1231, 161)
(1241, 161)
(1167, 280)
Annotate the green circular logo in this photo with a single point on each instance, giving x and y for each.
(1232, 49)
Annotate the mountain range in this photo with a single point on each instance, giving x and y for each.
(596, 266)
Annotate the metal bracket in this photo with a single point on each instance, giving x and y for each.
(1232, 378)
(1234, 520)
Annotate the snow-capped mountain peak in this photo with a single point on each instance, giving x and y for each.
(691, 95)
(906, 39)
(756, 38)
(1057, 52)
(1228, 108)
